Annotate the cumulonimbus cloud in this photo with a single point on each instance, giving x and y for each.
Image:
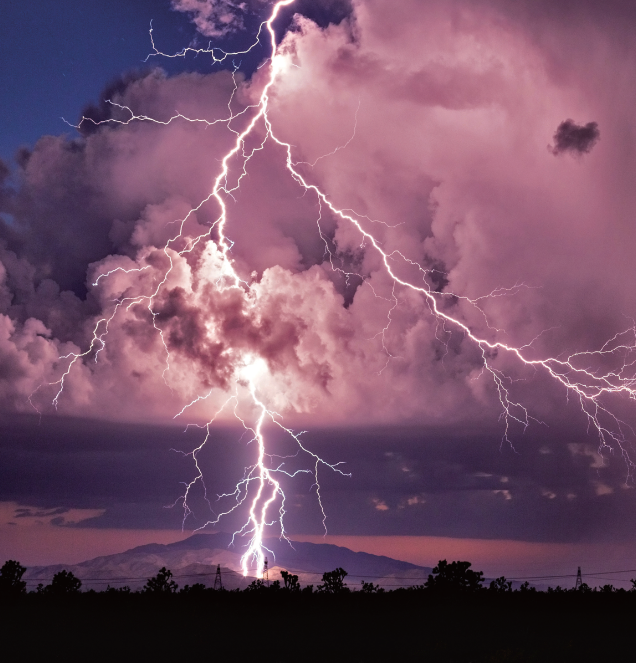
(440, 147)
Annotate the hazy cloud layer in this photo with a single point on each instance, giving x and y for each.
(439, 481)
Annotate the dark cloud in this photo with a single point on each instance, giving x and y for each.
(323, 12)
(25, 512)
(61, 210)
(577, 138)
(405, 481)
(53, 464)
(60, 218)
(229, 21)
(442, 482)
(102, 111)
(226, 21)
(25, 296)
(4, 171)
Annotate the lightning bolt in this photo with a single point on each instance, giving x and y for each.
(260, 487)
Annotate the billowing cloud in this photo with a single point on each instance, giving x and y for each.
(221, 18)
(440, 147)
(214, 18)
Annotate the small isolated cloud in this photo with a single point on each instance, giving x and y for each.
(578, 449)
(572, 137)
(380, 505)
(602, 489)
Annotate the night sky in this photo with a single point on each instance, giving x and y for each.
(488, 147)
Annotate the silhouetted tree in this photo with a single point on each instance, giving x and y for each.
(198, 588)
(11, 583)
(291, 581)
(64, 583)
(500, 586)
(161, 583)
(370, 588)
(526, 587)
(454, 577)
(257, 585)
(333, 582)
(117, 590)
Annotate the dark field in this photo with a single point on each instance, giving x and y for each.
(281, 626)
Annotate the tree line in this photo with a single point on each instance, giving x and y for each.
(447, 578)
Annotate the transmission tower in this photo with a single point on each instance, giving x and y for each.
(266, 573)
(579, 580)
(218, 583)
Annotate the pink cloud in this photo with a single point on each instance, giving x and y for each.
(446, 111)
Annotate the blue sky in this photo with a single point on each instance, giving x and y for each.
(55, 57)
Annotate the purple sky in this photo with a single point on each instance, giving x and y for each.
(487, 147)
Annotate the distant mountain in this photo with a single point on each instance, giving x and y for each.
(195, 560)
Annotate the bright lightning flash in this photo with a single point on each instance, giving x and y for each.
(260, 488)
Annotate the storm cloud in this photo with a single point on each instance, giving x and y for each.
(428, 121)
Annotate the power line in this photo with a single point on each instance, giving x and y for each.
(579, 580)
(218, 581)
(593, 574)
(570, 575)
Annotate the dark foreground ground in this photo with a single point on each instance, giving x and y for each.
(409, 626)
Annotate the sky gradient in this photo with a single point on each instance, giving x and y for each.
(489, 149)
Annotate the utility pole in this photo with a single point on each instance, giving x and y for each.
(218, 583)
(579, 579)
(266, 573)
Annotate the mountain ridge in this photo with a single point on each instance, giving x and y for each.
(195, 560)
